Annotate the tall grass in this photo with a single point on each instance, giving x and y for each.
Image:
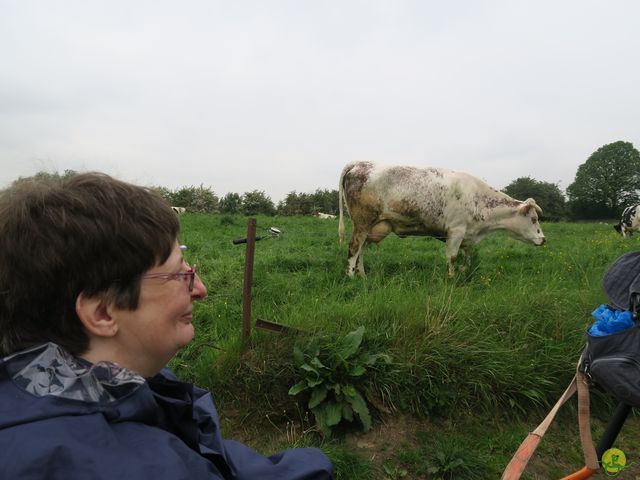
(503, 340)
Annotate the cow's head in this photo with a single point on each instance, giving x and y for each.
(618, 227)
(524, 225)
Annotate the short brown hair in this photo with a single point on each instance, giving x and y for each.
(60, 237)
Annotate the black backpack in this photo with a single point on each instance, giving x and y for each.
(613, 363)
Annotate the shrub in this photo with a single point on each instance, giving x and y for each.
(331, 373)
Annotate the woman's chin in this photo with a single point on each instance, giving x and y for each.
(186, 334)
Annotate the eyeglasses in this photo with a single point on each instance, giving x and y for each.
(189, 274)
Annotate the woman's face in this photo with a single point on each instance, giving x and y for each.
(149, 336)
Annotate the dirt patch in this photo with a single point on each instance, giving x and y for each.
(382, 442)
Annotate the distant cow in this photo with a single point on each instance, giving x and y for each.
(630, 221)
(454, 207)
(323, 215)
(179, 210)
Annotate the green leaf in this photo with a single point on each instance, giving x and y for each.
(308, 368)
(349, 390)
(350, 343)
(333, 412)
(298, 387)
(321, 420)
(315, 361)
(314, 382)
(357, 371)
(360, 408)
(317, 396)
(314, 349)
(373, 359)
(298, 356)
(347, 412)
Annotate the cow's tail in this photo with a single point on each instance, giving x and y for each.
(341, 202)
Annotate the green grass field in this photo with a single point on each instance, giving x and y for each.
(476, 360)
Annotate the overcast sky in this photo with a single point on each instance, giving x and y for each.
(278, 95)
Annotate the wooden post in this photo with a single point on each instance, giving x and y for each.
(248, 279)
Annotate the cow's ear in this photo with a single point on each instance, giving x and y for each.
(533, 203)
(524, 208)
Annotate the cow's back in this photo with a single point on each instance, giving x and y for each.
(430, 194)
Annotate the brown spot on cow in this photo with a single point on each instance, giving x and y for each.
(405, 206)
(355, 178)
(494, 202)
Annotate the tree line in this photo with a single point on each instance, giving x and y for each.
(256, 202)
(604, 185)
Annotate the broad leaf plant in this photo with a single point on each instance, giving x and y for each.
(331, 374)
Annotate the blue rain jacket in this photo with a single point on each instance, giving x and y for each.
(65, 418)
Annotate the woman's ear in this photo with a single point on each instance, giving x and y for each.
(94, 314)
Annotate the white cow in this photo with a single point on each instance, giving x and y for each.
(324, 216)
(454, 207)
(629, 222)
(179, 210)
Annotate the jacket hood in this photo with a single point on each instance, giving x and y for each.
(55, 383)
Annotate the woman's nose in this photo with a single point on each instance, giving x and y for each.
(199, 290)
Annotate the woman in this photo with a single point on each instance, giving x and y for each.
(95, 299)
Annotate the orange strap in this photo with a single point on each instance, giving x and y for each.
(590, 455)
(521, 458)
(582, 474)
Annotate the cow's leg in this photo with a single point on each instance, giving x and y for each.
(355, 262)
(467, 251)
(452, 246)
(360, 262)
(376, 234)
(359, 240)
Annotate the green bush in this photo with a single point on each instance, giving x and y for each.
(330, 372)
